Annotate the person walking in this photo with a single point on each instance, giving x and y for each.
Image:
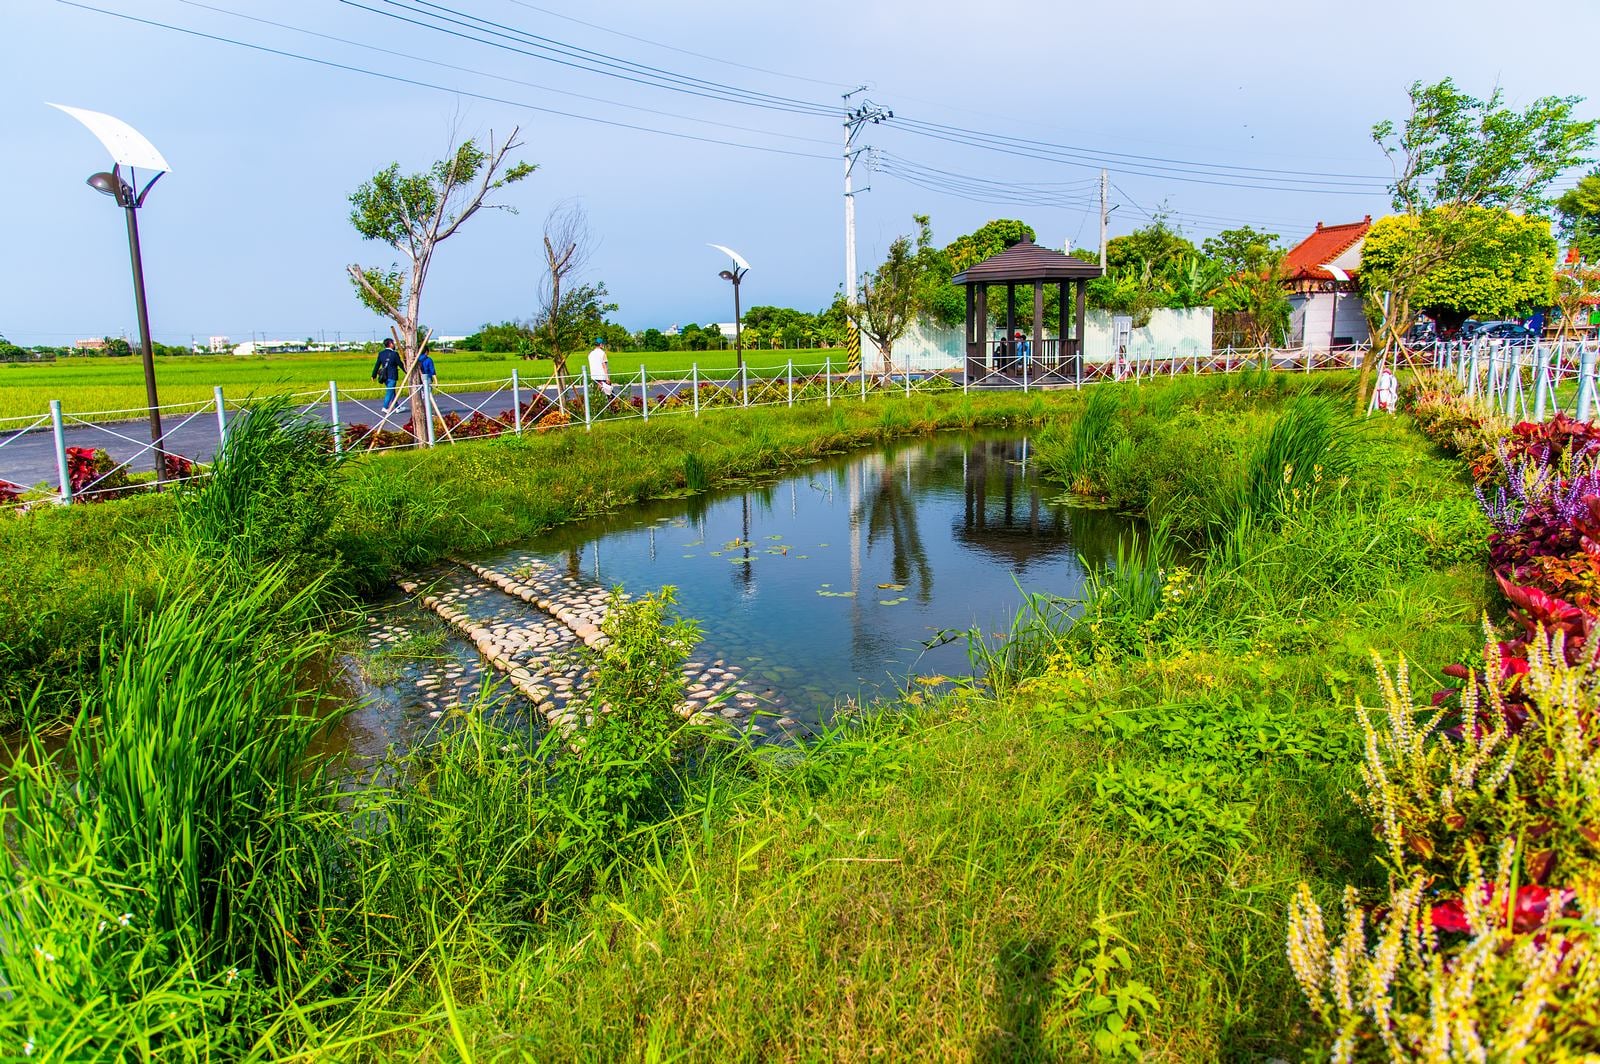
(386, 371)
(426, 368)
(1024, 352)
(600, 367)
(1387, 391)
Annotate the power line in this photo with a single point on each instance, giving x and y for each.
(439, 88)
(497, 77)
(673, 48)
(585, 59)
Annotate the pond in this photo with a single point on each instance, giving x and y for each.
(840, 582)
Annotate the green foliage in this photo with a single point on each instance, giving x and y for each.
(1244, 249)
(510, 336)
(1460, 151)
(1499, 264)
(272, 493)
(572, 324)
(1156, 245)
(1102, 992)
(1192, 807)
(894, 294)
(1579, 211)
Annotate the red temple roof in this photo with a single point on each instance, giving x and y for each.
(1305, 260)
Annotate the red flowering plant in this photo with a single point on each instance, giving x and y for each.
(94, 475)
(9, 493)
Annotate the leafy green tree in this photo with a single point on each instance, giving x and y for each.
(1579, 211)
(570, 326)
(1502, 264)
(1158, 244)
(118, 347)
(1244, 248)
(413, 214)
(892, 295)
(1577, 288)
(1460, 164)
(508, 336)
(654, 340)
(946, 303)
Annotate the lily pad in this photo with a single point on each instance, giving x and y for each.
(892, 587)
(774, 537)
(741, 561)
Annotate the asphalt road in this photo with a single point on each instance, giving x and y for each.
(29, 458)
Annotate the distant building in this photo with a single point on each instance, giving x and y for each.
(726, 328)
(90, 345)
(1321, 273)
(219, 345)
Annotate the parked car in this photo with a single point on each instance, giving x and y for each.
(1467, 328)
(1512, 333)
(1423, 331)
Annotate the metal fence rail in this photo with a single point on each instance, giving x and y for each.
(81, 458)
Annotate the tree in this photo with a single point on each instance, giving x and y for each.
(566, 310)
(1244, 248)
(1579, 211)
(508, 336)
(414, 214)
(1500, 264)
(1158, 244)
(1577, 289)
(654, 340)
(1256, 302)
(946, 303)
(891, 295)
(1457, 153)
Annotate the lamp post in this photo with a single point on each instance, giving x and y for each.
(129, 148)
(733, 277)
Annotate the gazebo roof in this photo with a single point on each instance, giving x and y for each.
(1027, 262)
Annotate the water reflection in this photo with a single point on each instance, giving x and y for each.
(829, 583)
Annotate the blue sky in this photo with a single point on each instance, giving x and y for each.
(249, 234)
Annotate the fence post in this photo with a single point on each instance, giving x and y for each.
(584, 380)
(744, 384)
(1025, 375)
(1585, 384)
(333, 412)
(516, 401)
(908, 378)
(1541, 387)
(827, 378)
(62, 470)
(791, 382)
(222, 417)
(694, 386)
(427, 409)
(862, 369)
(644, 393)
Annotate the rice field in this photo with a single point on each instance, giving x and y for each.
(99, 384)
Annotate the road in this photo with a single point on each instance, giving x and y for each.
(29, 458)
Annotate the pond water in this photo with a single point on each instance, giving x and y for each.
(841, 581)
(847, 579)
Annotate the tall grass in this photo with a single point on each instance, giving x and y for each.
(272, 492)
(156, 855)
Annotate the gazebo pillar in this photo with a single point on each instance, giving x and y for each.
(1064, 316)
(980, 328)
(1011, 325)
(1077, 347)
(1037, 344)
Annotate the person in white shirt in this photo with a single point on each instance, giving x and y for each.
(1388, 389)
(600, 366)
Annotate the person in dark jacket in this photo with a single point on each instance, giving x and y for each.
(387, 372)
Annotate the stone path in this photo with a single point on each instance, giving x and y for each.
(536, 624)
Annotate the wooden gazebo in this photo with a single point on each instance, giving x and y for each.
(1000, 361)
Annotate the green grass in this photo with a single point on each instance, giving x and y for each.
(94, 384)
(1120, 817)
(71, 566)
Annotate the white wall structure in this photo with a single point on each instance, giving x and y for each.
(928, 348)
(1324, 320)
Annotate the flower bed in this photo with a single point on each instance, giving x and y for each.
(1487, 808)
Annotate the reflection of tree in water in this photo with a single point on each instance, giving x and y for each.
(1006, 514)
(1003, 512)
(892, 508)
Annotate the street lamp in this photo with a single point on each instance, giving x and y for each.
(734, 276)
(129, 148)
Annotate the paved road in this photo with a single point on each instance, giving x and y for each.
(30, 458)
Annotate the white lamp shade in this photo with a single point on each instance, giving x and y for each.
(732, 254)
(126, 144)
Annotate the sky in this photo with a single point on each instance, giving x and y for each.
(1224, 113)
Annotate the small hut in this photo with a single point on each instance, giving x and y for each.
(999, 360)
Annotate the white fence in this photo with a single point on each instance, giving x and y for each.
(1521, 381)
(1183, 334)
(70, 457)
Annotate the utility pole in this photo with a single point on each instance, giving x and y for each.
(1104, 180)
(854, 119)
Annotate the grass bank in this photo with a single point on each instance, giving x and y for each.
(71, 568)
(1093, 857)
(1091, 854)
(92, 384)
